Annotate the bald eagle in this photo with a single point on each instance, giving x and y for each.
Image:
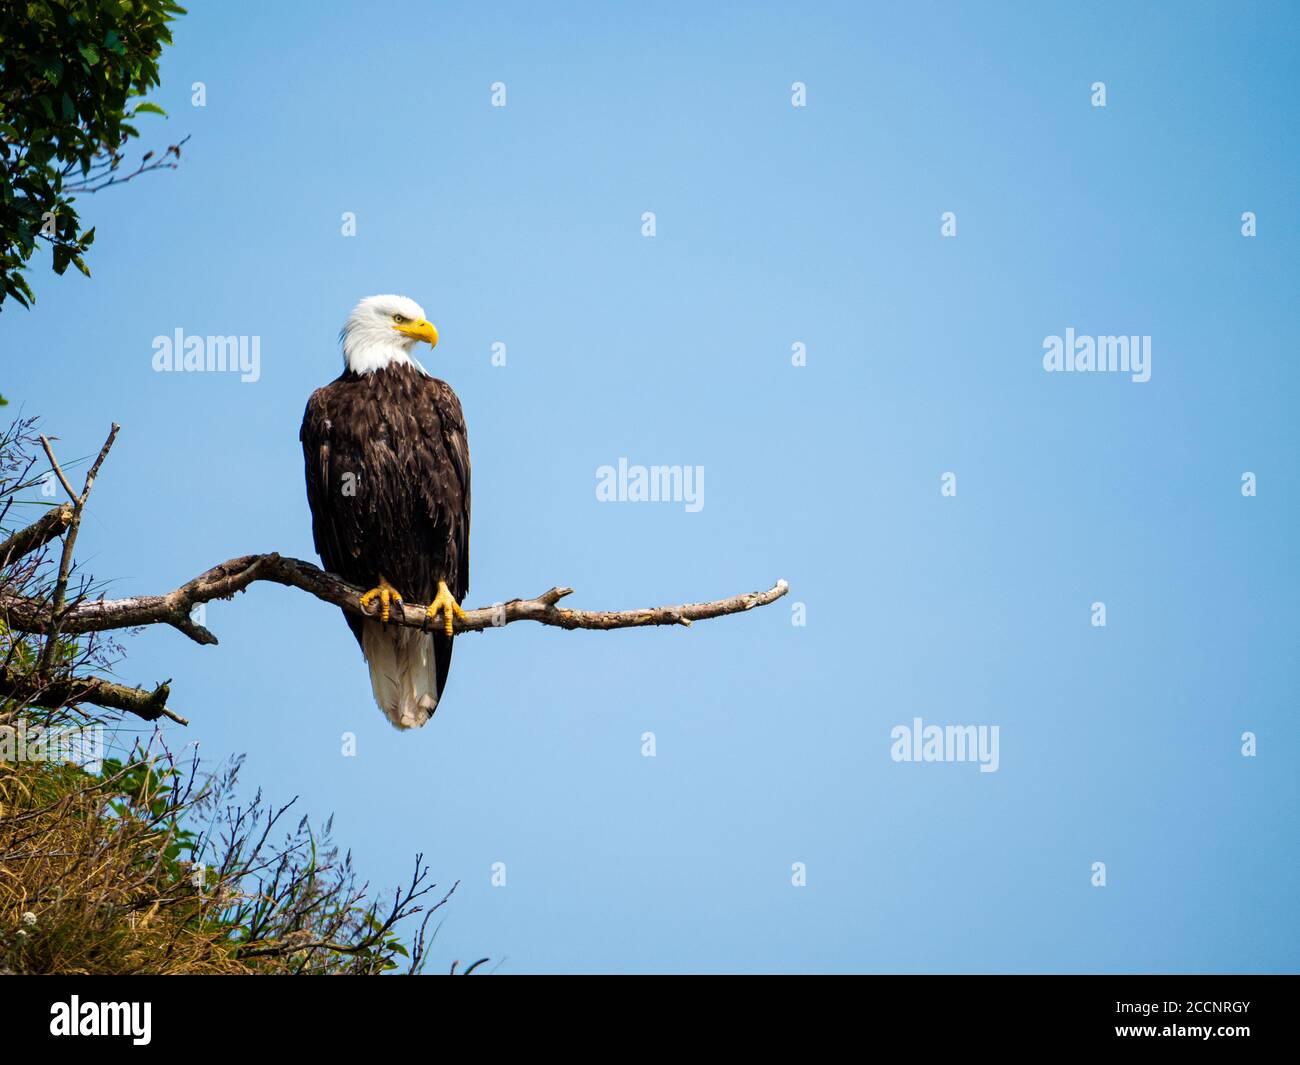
(387, 464)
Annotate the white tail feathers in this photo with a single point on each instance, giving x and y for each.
(402, 672)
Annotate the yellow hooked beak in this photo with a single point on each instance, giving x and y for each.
(420, 330)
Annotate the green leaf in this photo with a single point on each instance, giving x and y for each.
(72, 75)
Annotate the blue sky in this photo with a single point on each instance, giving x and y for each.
(774, 225)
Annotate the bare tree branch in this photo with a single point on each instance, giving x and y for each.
(71, 690)
(39, 533)
(223, 581)
(39, 615)
(69, 541)
(58, 470)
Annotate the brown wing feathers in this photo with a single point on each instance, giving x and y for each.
(388, 482)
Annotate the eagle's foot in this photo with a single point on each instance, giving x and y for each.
(386, 594)
(445, 602)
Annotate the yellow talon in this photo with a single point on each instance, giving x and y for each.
(386, 594)
(444, 601)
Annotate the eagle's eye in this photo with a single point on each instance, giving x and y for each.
(399, 319)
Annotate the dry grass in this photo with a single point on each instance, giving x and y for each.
(98, 874)
(85, 888)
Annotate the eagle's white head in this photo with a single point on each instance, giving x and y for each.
(381, 331)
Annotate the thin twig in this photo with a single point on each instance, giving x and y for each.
(58, 470)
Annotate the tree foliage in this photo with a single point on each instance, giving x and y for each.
(71, 76)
